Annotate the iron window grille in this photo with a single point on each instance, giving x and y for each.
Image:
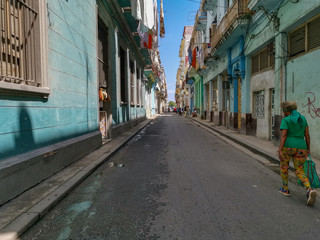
(23, 45)
(259, 104)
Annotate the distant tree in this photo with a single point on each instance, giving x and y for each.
(172, 104)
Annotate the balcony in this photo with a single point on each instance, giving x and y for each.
(267, 5)
(201, 21)
(229, 28)
(210, 5)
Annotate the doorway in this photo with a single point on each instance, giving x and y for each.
(239, 102)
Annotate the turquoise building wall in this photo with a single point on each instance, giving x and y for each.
(71, 108)
(303, 86)
(119, 37)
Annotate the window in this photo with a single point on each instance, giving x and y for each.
(305, 38)
(132, 69)
(258, 104)
(102, 53)
(23, 38)
(123, 76)
(314, 34)
(215, 95)
(263, 60)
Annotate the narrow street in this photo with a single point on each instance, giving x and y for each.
(178, 181)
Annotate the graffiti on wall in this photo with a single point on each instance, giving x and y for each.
(313, 111)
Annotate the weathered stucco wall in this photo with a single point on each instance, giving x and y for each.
(303, 86)
(263, 82)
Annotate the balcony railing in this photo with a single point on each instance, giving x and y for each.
(237, 10)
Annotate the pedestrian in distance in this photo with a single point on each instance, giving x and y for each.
(194, 113)
(295, 145)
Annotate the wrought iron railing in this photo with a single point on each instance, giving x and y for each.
(235, 11)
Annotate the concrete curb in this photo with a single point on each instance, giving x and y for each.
(25, 220)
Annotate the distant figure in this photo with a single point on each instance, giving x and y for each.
(194, 113)
(295, 144)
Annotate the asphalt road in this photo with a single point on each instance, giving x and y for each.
(180, 182)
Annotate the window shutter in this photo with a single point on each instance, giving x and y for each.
(255, 63)
(314, 34)
(297, 41)
(264, 59)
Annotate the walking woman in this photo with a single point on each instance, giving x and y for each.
(295, 144)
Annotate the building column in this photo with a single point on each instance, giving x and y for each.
(135, 83)
(127, 117)
(205, 100)
(220, 93)
(201, 96)
(220, 98)
(211, 113)
(115, 76)
(281, 50)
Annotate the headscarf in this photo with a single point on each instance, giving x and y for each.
(296, 117)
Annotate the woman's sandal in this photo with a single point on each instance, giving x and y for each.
(286, 193)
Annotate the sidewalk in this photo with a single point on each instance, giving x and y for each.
(19, 214)
(256, 145)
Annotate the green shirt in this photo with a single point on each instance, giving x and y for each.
(295, 136)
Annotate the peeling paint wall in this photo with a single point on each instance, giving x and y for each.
(303, 86)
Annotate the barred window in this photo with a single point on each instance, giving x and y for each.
(263, 60)
(23, 61)
(215, 95)
(102, 54)
(305, 38)
(258, 104)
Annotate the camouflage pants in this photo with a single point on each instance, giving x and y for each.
(298, 156)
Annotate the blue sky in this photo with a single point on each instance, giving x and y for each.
(177, 14)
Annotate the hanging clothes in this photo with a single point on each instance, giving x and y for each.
(201, 58)
(198, 57)
(136, 9)
(194, 57)
(148, 14)
(162, 29)
(190, 55)
(147, 40)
